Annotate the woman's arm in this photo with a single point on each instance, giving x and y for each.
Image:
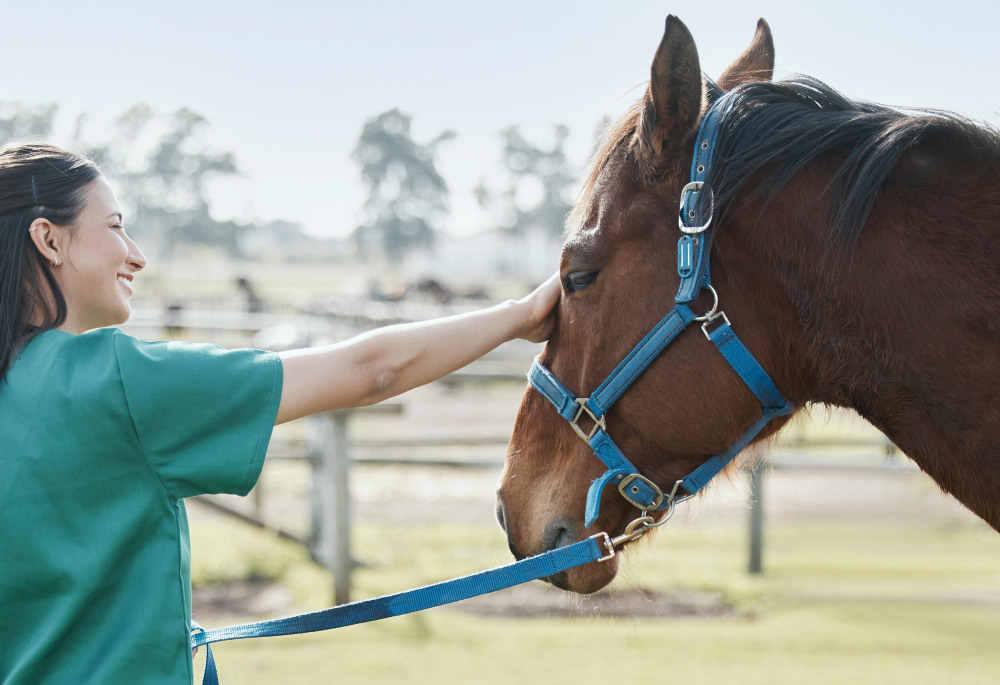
(383, 363)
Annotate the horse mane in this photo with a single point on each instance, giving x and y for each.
(791, 122)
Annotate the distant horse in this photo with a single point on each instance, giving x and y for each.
(856, 250)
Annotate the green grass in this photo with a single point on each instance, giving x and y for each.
(858, 603)
(815, 643)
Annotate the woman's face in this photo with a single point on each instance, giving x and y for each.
(91, 261)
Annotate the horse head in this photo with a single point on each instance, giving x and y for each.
(619, 278)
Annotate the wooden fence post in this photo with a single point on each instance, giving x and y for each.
(756, 518)
(340, 526)
(331, 502)
(330, 492)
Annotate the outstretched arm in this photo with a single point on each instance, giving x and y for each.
(383, 363)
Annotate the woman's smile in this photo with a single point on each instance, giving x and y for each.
(125, 284)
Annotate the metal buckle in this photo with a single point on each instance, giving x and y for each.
(695, 186)
(635, 490)
(604, 541)
(704, 326)
(598, 422)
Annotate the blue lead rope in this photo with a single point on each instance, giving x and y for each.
(455, 590)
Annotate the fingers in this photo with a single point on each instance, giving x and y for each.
(539, 309)
(542, 309)
(548, 294)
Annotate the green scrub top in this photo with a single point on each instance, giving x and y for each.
(102, 436)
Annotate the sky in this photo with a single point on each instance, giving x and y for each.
(287, 86)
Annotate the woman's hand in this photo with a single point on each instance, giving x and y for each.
(540, 308)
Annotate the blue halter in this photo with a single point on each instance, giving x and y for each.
(693, 253)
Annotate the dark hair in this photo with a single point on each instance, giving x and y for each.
(36, 180)
(789, 123)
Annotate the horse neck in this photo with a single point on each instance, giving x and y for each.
(900, 326)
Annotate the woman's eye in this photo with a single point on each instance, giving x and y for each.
(578, 280)
(118, 226)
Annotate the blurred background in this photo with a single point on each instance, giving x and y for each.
(297, 173)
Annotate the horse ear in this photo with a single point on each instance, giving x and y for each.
(673, 101)
(755, 64)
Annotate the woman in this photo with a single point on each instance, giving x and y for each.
(102, 435)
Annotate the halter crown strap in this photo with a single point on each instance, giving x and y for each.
(696, 209)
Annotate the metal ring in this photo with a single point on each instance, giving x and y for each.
(669, 515)
(672, 501)
(715, 306)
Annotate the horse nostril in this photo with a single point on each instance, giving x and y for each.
(500, 514)
(557, 534)
(502, 520)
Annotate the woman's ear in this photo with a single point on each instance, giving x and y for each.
(47, 238)
(674, 98)
(755, 64)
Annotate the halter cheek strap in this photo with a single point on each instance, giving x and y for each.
(693, 251)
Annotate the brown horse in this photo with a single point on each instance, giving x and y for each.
(854, 250)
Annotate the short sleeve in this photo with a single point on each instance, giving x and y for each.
(203, 414)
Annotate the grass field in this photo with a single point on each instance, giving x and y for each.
(859, 603)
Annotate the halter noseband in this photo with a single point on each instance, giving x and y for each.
(693, 253)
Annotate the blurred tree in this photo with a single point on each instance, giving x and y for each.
(17, 121)
(406, 194)
(536, 185)
(159, 170)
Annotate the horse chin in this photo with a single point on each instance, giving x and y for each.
(584, 580)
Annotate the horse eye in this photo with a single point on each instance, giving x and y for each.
(578, 280)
